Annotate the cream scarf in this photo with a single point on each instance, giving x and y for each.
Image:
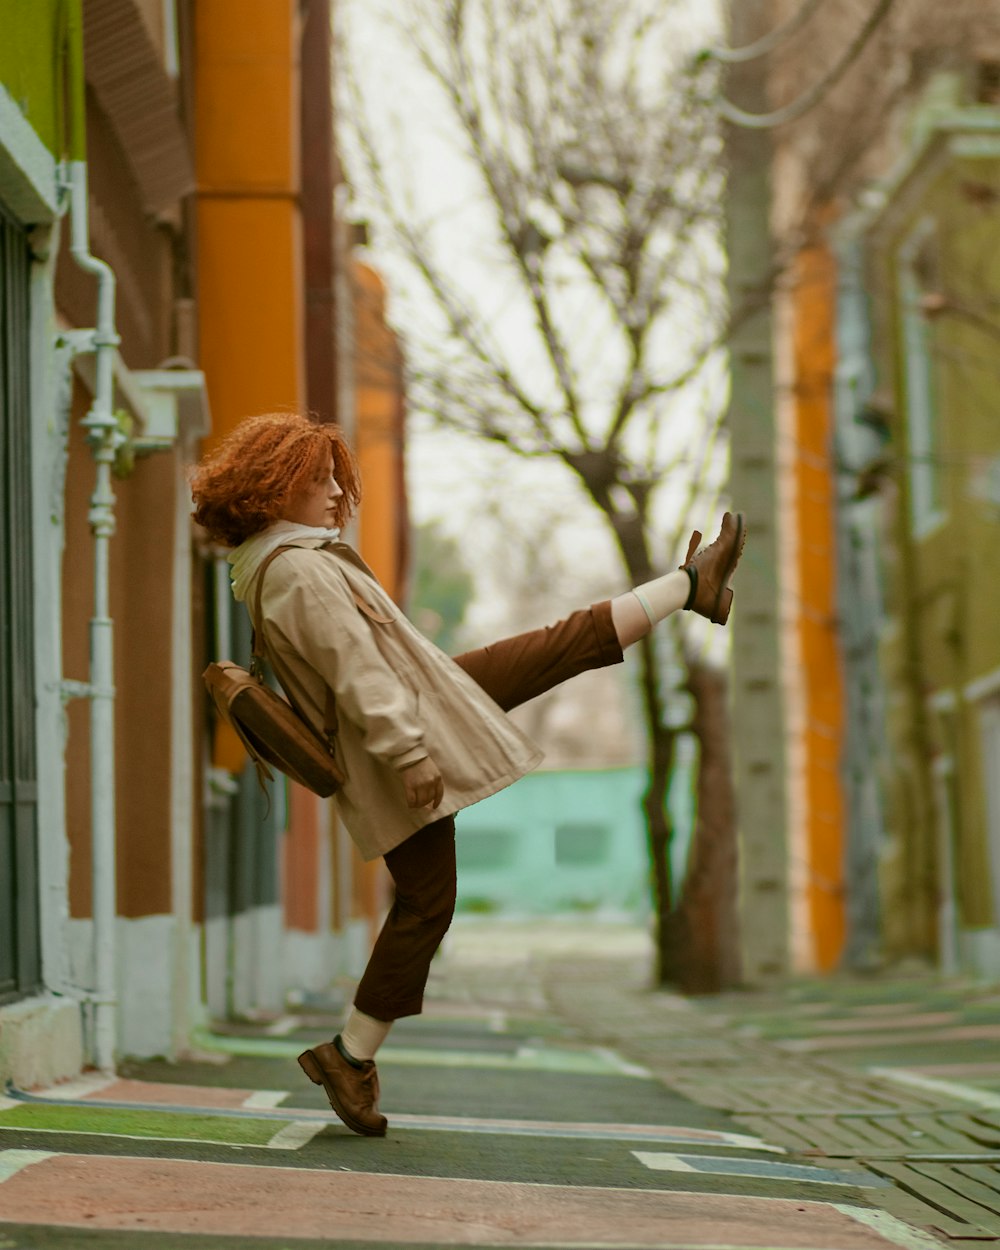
(247, 558)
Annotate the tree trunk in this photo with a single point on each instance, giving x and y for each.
(659, 832)
(631, 534)
(705, 922)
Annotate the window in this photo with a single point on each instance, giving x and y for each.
(486, 849)
(582, 846)
(990, 729)
(919, 287)
(19, 943)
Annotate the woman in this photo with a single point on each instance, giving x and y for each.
(421, 735)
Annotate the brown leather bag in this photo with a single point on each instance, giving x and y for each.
(273, 732)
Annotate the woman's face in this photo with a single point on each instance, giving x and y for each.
(316, 503)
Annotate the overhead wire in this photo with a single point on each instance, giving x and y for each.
(767, 43)
(809, 99)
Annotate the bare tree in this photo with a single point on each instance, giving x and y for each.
(594, 167)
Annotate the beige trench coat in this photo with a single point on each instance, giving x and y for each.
(399, 698)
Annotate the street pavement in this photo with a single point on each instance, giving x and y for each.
(546, 1098)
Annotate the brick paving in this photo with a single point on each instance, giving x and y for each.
(897, 1075)
(548, 1098)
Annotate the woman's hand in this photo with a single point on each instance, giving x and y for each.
(423, 784)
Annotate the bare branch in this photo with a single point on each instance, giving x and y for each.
(585, 128)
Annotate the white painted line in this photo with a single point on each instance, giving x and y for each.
(740, 1141)
(82, 1087)
(296, 1135)
(890, 1228)
(623, 1065)
(948, 1089)
(87, 1132)
(594, 1132)
(13, 1161)
(663, 1163)
(764, 1169)
(264, 1099)
(282, 1026)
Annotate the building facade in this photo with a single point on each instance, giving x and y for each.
(171, 262)
(882, 205)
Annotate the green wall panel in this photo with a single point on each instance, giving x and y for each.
(31, 69)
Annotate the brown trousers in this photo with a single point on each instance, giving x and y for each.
(423, 867)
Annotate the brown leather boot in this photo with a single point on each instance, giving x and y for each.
(710, 570)
(352, 1089)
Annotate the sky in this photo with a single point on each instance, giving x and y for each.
(479, 493)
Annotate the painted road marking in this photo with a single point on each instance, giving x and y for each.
(282, 1026)
(589, 1061)
(82, 1087)
(264, 1099)
(889, 1227)
(292, 1137)
(182, 1196)
(599, 1132)
(13, 1161)
(766, 1169)
(295, 1135)
(160, 1123)
(854, 1041)
(152, 1137)
(947, 1089)
(674, 1134)
(124, 1091)
(623, 1065)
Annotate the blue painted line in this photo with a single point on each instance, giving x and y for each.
(765, 1169)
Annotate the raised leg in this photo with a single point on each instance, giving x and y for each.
(517, 669)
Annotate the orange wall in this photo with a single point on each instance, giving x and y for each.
(251, 275)
(250, 281)
(252, 318)
(382, 521)
(814, 301)
(250, 310)
(379, 432)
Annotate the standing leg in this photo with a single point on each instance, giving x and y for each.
(423, 871)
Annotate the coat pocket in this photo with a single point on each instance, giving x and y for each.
(373, 614)
(471, 749)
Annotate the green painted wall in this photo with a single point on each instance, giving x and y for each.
(566, 841)
(942, 591)
(963, 642)
(31, 65)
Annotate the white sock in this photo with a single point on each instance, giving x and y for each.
(362, 1035)
(634, 614)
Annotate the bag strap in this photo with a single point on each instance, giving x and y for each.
(258, 653)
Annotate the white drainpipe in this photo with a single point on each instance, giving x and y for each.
(104, 437)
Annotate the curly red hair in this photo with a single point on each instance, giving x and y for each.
(244, 484)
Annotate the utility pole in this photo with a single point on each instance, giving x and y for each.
(758, 717)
